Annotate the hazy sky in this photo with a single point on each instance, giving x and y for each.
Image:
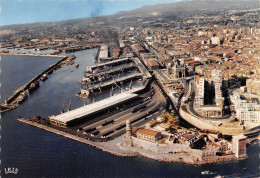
(29, 11)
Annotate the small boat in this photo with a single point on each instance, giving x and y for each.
(205, 172)
(44, 77)
(33, 86)
(77, 65)
(22, 97)
(219, 176)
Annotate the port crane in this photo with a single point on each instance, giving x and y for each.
(69, 105)
(130, 84)
(111, 93)
(62, 108)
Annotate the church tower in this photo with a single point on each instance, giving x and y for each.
(178, 70)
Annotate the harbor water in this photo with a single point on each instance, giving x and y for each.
(38, 153)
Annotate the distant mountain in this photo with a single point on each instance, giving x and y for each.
(189, 6)
(172, 9)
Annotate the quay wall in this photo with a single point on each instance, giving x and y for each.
(111, 63)
(175, 153)
(82, 140)
(97, 55)
(192, 158)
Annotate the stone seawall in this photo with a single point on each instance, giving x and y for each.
(182, 158)
(82, 140)
(114, 147)
(161, 148)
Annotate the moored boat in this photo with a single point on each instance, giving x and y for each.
(34, 85)
(44, 77)
(205, 172)
(21, 97)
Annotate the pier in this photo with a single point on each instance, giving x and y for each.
(78, 48)
(105, 72)
(91, 78)
(98, 88)
(108, 59)
(105, 120)
(29, 54)
(91, 69)
(20, 94)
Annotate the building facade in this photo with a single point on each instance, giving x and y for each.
(149, 135)
(253, 86)
(206, 88)
(239, 146)
(177, 70)
(246, 110)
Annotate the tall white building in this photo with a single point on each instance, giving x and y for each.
(199, 96)
(247, 110)
(215, 109)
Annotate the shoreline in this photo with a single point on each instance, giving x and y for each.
(114, 147)
(73, 137)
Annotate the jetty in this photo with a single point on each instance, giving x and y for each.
(114, 83)
(29, 54)
(20, 94)
(91, 69)
(97, 74)
(97, 77)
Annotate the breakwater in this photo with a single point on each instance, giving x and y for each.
(82, 140)
(21, 93)
(28, 54)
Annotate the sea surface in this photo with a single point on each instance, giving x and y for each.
(38, 153)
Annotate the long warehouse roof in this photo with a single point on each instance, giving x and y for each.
(92, 108)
